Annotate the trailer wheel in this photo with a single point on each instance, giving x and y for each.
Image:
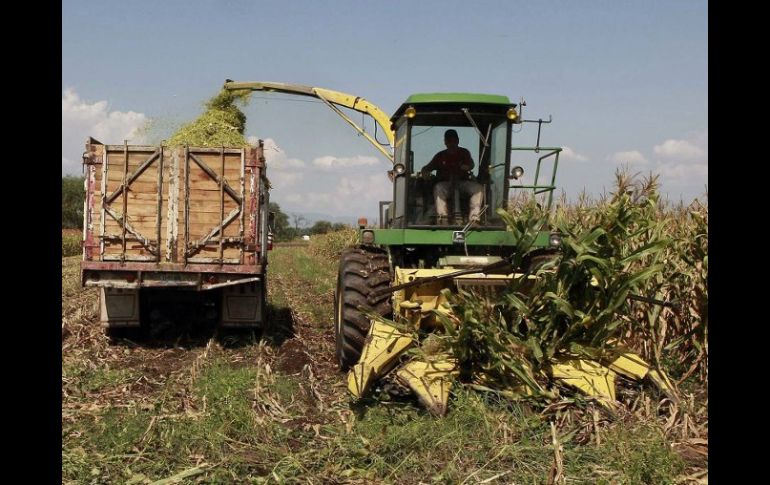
(265, 317)
(117, 334)
(362, 271)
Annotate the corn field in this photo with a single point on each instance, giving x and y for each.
(672, 338)
(230, 408)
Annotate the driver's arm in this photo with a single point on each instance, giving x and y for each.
(467, 164)
(431, 166)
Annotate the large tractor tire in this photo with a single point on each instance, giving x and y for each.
(362, 271)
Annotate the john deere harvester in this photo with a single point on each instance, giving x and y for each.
(400, 271)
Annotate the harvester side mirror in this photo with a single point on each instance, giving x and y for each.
(517, 172)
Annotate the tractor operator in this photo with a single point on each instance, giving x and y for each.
(454, 163)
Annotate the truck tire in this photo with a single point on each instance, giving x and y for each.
(265, 317)
(362, 271)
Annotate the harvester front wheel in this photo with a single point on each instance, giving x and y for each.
(362, 271)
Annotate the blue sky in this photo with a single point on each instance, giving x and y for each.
(625, 82)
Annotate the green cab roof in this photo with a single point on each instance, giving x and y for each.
(492, 102)
(457, 98)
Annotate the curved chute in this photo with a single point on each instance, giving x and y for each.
(332, 99)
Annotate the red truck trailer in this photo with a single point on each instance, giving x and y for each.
(174, 229)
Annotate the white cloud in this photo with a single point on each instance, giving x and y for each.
(349, 196)
(633, 157)
(570, 155)
(294, 198)
(330, 184)
(683, 163)
(324, 200)
(683, 173)
(375, 186)
(678, 150)
(684, 170)
(276, 158)
(81, 119)
(329, 162)
(282, 180)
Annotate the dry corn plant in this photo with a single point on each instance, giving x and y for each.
(674, 338)
(578, 305)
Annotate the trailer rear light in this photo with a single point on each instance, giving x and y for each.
(131, 277)
(270, 241)
(212, 279)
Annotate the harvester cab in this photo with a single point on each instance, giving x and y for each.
(400, 269)
(412, 229)
(483, 126)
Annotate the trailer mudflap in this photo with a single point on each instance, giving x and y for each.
(243, 305)
(119, 307)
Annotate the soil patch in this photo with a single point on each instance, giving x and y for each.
(292, 357)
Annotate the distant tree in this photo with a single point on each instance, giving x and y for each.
(281, 229)
(298, 220)
(291, 233)
(338, 226)
(321, 227)
(72, 197)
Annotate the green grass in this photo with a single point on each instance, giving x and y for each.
(313, 280)
(94, 379)
(70, 242)
(395, 444)
(224, 430)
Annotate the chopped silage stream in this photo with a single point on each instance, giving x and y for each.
(221, 124)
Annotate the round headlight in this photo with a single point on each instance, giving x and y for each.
(517, 172)
(367, 237)
(410, 112)
(555, 239)
(399, 168)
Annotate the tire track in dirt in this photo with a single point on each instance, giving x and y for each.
(310, 352)
(146, 374)
(136, 373)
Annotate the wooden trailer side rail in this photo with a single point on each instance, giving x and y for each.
(119, 185)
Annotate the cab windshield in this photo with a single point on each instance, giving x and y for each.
(426, 135)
